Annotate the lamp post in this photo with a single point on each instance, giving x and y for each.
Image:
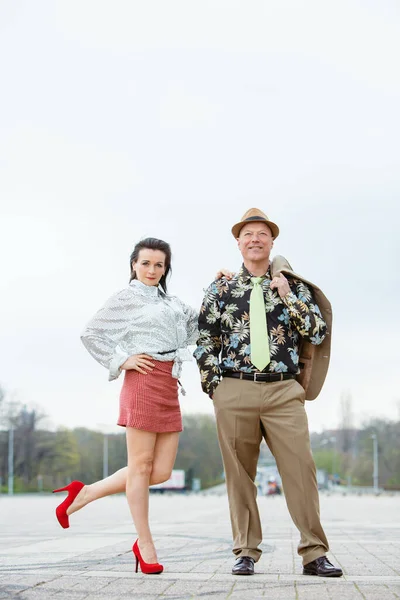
(9, 411)
(376, 467)
(106, 430)
(105, 455)
(11, 461)
(333, 441)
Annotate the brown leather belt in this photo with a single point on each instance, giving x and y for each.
(258, 377)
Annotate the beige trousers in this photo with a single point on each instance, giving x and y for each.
(245, 412)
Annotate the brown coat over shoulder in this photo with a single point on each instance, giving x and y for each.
(314, 360)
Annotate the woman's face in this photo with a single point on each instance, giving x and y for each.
(150, 266)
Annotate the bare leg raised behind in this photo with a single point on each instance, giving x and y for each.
(163, 462)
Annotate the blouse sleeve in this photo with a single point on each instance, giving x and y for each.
(103, 335)
(192, 329)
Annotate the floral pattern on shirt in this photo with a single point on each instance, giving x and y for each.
(224, 327)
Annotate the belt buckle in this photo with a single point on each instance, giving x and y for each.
(255, 377)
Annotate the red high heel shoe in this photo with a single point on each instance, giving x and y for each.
(146, 568)
(73, 490)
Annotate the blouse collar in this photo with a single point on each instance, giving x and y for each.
(150, 291)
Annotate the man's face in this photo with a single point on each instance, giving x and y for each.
(255, 242)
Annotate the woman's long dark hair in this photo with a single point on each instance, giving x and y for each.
(153, 244)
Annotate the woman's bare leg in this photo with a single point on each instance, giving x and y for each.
(140, 447)
(163, 461)
(164, 457)
(143, 447)
(114, 484)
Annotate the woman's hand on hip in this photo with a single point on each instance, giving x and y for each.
(138, 362)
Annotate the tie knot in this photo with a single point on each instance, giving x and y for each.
(256, 280)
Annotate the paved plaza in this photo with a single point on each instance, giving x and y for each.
(92, 559)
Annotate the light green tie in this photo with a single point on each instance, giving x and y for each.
(258, 326)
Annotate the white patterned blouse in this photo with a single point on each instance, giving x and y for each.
(141, 319)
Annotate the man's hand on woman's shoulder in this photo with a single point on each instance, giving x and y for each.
(224, 273)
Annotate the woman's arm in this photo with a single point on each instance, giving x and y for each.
(104, 333)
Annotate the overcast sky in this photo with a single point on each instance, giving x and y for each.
(125, 119)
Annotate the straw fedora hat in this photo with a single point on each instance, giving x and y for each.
(255, 214)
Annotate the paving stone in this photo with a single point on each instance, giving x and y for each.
(93, 559)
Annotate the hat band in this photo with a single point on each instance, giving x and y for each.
(256, 219)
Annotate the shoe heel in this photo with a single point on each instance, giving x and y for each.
(146, 568)
(64, 489)
(73, 490)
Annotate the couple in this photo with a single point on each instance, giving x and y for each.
(258, 334)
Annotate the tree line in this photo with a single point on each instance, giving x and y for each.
(44, 460)
(349, 453)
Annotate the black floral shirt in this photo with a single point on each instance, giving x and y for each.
(224, 327)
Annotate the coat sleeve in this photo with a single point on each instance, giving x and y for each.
(103, 335)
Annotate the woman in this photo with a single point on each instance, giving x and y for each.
(144, 332)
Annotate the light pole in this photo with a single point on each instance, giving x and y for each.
(9, 411)
(106, 430)
(105, 455)
(333, 441)
(376, 468)
(11, 461)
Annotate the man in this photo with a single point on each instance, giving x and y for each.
(251, 331)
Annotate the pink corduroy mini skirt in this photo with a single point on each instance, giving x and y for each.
(150, 402)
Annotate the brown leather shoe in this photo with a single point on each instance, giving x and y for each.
(321, 567)
(244, 565)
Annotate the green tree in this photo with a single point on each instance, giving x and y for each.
(59, 457)
(198, 452)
